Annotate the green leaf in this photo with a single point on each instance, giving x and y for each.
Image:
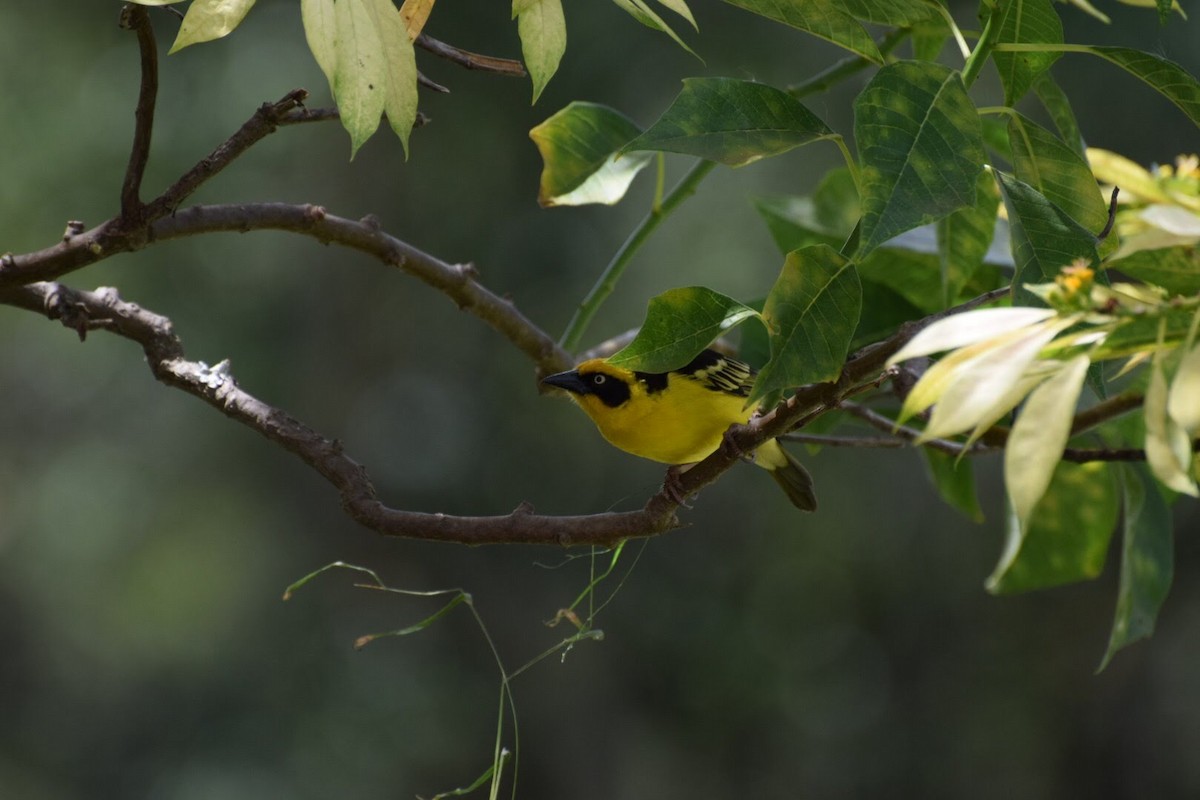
(210, 19)
(680, 8)
(731, 121)
(1176, 269)
(579, 147)
(400, 62)
(543, 31)
(640, 11)
(1067, 537)
(1060, 174)
(811, 312)
(793, 223)
(823, 18)
(928, 39)
(1026, 22)
(883, 311)
(964, 238)
(896, 13)
(1147, 561)
(1044, 238)
(1163, 75)
(1055, 101)
(921, 148)
(679, 324)
(955, 482)
(1036, 443)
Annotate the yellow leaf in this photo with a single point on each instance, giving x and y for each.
(415, 14)
(1168, 448)
(1036, 443)
(1183, 401)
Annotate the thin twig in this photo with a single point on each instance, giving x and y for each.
(1112, 215)
(465, 58)
(135, 18)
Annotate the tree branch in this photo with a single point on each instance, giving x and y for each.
(104, 310)
(465, 58)
(136, 18)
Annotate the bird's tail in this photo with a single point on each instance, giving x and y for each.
(789, 473)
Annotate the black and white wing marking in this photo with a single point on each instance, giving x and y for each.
(720, 373)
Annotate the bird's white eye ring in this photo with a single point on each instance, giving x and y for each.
(598, 379)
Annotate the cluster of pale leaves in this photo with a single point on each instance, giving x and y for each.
(1001, 357)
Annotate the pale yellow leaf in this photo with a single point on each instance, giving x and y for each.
(1183, 401)
(543, 31)
(360, 79)
(1168, 448)
(400, 97)
(982, 388)
(320, 30)
(960, 330)
(210, 19)
(1039, 436)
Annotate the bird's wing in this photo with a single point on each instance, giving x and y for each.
(720, 373)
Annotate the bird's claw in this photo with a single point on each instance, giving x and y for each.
(673, 487)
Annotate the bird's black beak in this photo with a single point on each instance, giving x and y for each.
(569, 380)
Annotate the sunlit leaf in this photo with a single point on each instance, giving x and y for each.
(921, 148)
(731, 121)
(1147, 561)
(1026, 22)
(811, 312)
(824, 18)
(988, 385)
(1036, 442)
(1183, 400)
(960, 330)
(955, 482)
(1134, 179)
(1067, 538)
(1168, 448)
(543, 31)
(679, 324)
(639, 10)
(1059, 173)
(578, 146)
(210, 19)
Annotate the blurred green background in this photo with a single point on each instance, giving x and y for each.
(145, 540)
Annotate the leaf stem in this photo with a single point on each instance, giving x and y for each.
(984, 46)
(620, 260)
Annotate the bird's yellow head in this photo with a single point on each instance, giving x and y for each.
(597, 386)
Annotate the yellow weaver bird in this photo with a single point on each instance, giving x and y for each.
(679, 417)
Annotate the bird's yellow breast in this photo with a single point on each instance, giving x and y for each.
(679, 424)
